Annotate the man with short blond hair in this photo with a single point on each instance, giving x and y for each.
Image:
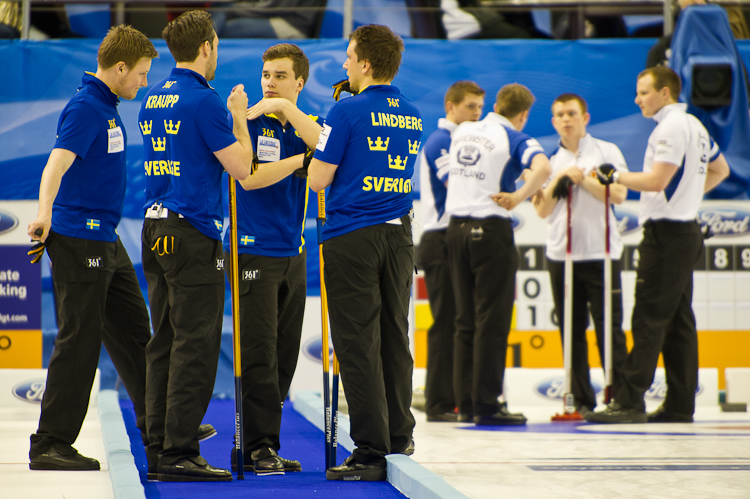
(486, 157)
(81, 199)
(464, 101)
(513, 100)
(461, 89)
(682, 162)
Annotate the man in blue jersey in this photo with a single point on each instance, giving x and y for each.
(487, 156)
(272, 255)
(81, 200)
(188, 143)
(366, 153)
(464, 101)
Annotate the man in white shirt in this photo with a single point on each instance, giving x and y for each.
(681, 163)
(464, 101)
(486, 157)
(576, 161)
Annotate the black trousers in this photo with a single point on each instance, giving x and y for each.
(663, 319)
(368, 277)
(484, 261)
(433, 255)
(273, 291)
(185, 274)
(99, 301)
(588, 291)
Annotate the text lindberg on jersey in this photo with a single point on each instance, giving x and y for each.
(396, 121)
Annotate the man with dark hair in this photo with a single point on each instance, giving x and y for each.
(577, 157)
(485, 155)
(188, 143)
(272, 254)
(682, 162)
(366, 153)
(464, 101)
(81, 200)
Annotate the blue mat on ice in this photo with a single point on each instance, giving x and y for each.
(299, 440)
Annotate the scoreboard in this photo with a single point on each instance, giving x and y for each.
(721, 281)
(721, 290)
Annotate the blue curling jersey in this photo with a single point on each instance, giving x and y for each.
(92, 192)
(374, 138)
(183, 122)
(271, 220)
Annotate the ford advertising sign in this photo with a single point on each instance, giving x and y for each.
(627, 221)
(552, 388)
(658, 390)
(8, 222)
(725, 221)
(516, 221)
(313, 349)
(30, 391)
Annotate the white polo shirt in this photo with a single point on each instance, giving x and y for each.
(680, 139)
(433, 172)
(588, 225)
(486, 157)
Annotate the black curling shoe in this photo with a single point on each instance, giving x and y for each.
(352, 471)
(194, 469)
(54, 460)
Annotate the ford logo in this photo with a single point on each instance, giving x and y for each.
(658, 390)
(30, 391)
(552, 388)
(627, 221)
(313, 349)
(8, 222)
(725, 222)
(516, 222)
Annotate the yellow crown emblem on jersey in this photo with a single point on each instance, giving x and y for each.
(414, 147)
(396, 164)
(146, 127)
(379, 145)
(160, 144)
(170, 128)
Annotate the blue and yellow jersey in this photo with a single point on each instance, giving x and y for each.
(374, 138)
(271, 220)
(92, 192)
(183, 122)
